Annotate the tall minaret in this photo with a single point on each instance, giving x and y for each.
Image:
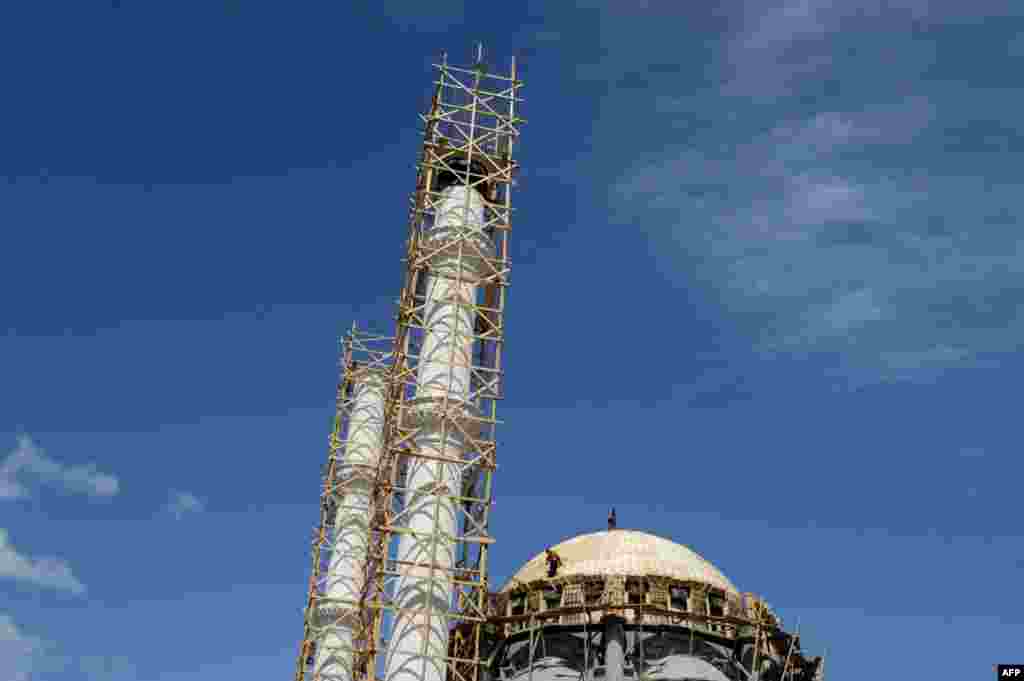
(444, 414)
(449, 341)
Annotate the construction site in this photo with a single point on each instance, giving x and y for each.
(399, 587)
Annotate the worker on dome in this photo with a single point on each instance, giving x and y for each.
(554, 562)
(611, 519)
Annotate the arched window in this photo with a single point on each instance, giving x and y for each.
(552, 597)
(679, 598)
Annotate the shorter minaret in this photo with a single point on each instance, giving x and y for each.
(337, 613)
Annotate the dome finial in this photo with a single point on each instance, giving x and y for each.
(611, 519)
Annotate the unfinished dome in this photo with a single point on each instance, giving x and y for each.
(625, 604)
(627, 553)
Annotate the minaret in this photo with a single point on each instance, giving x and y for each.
(450, 335)
(444, 414)
(346, 576)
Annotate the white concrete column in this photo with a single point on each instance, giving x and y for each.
(419, 643)
(346, 572)
(447, 352)
(614, 649)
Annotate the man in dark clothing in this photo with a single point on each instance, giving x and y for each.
(553, 562)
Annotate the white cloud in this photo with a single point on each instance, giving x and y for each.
(183, 503)
(816, 201)
(756, 55)
(28, 459)
(821, 134)
(49, 572)
(29, 658)
(876, 232)
(901, 275)
(827, 132)
(780, 44)
(834, 321)
(778, 26)
(852, 310)
(18, 651)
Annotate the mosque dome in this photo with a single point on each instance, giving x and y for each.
(624, 552)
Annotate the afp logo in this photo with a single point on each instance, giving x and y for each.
(1010, 671)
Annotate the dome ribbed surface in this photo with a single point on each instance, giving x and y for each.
(624, 552)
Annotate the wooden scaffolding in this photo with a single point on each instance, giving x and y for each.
(470, 131)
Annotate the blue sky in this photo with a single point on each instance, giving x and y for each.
(767, 283)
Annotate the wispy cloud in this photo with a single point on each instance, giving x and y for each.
(842, 315)
(19, 652)
(877, 234)
(821, 133)
(47, 572)
(774, 46)
(183, 503)
(817, 201)
(26, 658)
(896, 272)
(27, 459)
(778, 25)
(778, 44)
